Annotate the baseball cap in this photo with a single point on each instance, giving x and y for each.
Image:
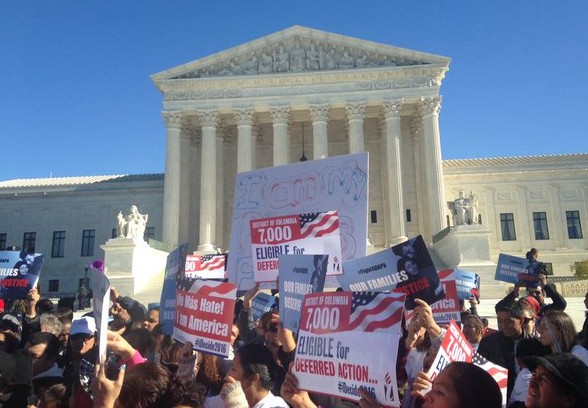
(533, 302)
(83, 325)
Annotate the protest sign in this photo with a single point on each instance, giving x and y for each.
(309, 234)
(344, 344)
(204, 314)
(19, 273)
(101, 301)
(406, 268)
(299, 276)
(513, 269)
(454, 347)
(262, 303)
(332, 184)
(468, 284)
(206, 266)
(175, 264)
(448, 308)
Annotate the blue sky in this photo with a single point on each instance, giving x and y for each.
(76, 98)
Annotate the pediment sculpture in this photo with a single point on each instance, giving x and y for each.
(299, 54)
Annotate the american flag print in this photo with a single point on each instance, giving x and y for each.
(206, 266)
(318, 224)
(500, 374)
(375, 311)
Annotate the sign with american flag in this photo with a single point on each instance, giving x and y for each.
(206, 266)
(317, 186)
(300, 234)
(345, 344)
(204, 314)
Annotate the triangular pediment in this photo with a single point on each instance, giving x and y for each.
(298, 50)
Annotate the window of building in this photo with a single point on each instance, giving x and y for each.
(53, 285)
(58, 247)
(574, 225)
(88, 237)
(508, 227)
(408, 215)
(2, 242)
(28, 241)
(149, 233)
(374, 216)
(114, 233)
(540, 225)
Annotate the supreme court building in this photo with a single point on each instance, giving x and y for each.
(307, 94)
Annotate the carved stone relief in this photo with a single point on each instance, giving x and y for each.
(298, 54)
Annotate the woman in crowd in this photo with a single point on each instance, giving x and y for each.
(557, 331)
(559, 380)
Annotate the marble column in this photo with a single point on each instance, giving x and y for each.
(244, 140)
(429, 109)
(421, 212)
(355, 115)
(185, 176)
(320, 119)
(556, 231)
(208, 181)
(393, 169)
(281, 118)
(171, 189)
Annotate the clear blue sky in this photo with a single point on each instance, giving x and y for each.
(76, 98)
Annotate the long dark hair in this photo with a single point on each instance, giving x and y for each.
(474, 387)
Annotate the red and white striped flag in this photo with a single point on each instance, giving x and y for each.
(500, 374)
(318, 224)
(206, 266)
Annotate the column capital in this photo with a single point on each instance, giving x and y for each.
(392, 108)
(319, 112)
(430, 106)
(208, 117)
(355, 110)
(280, 114)
(172, 119)
(244, 116)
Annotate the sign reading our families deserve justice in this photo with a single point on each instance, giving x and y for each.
(344, 344)
(19, 273)
(304, 234)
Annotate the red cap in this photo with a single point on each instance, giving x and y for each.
(533, 302)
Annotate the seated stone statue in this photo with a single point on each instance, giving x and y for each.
(135, 224)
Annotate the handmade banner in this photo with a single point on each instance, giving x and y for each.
(19, 273)
(448, 308)
(513, 269)
(262, 303)
(299, 276)
(454, 347)
(468, 284)
(336, 183)
(304, 234)
(204, 314)
(174, 266)
(206, 266)
(344, 345)
(100, 303)
(406, 268)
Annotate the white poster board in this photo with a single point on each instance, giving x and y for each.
(337, 183)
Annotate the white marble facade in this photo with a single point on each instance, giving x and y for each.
(256, 105)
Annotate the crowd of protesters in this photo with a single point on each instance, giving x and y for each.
(49, 359)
